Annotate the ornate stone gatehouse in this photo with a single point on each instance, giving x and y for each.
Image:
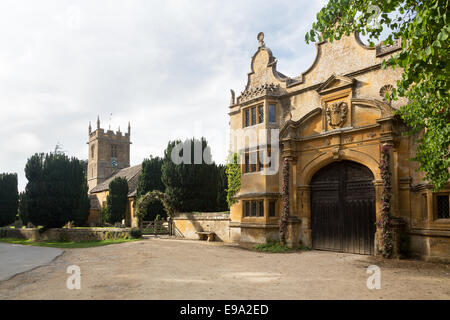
(327, 127)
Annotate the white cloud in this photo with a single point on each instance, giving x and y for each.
(163, 65)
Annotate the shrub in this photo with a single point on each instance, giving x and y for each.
(136, 233)
(273, 246)
(302, 247)
(277, 246)
(150, 180)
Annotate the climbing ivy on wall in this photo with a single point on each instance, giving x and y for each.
(285, 213)
(384, 223)
(233, 172)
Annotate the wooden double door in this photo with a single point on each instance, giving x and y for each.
(343, 208)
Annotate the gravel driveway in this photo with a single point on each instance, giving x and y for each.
(182, 269)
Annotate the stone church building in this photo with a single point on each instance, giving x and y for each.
(328, 126)
(109, 158)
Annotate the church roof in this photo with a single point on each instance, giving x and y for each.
(130, 173)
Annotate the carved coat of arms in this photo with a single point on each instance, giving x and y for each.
(337, 114)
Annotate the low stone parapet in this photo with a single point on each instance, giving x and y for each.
(188, 225)
(63, 234)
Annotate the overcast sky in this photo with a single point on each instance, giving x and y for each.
(165, 66)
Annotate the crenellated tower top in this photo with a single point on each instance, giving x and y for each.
(109, 152)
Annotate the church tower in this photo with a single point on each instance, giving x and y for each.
(109, 152)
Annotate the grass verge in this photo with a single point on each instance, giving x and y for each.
(277, 247)
(64, 244)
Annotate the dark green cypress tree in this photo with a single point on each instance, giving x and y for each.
(35, 189)
(23, 208)
(56, 192)
(189, 186)
(81, 203)
(222, 186)
(58, 187)
(117, 200)
(150, 180)
(9, 198)
(170, 178)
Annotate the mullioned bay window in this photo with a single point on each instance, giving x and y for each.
(257, 160)
(253, 116)
(255, 208)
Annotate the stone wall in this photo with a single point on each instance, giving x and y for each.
(430, 245)
(187, 224)
(258, 233)
(67, 234)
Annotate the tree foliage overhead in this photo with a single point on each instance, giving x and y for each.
(423, 28)
(117, 199)
(150, 180)
(9, 198)
(57, 190)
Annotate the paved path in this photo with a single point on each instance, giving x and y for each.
(183, 269)
(15, 259)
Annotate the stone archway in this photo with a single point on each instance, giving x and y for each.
(343, 208)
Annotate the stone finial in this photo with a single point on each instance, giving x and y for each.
(90, 127)
(129, 128)
(232, 102)
(119, 130)
(260, 38)
(98, 122)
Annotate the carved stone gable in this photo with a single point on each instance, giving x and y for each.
(264, 80)
(271, 90)
(335, 83)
